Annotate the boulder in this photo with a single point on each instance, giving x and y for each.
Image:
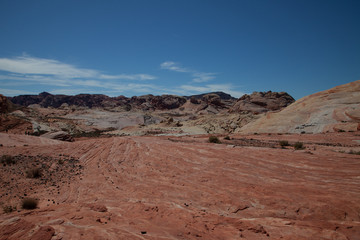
(6, 105)
(60, 135)
(4, 108)
(194, 100)
(212, 99)
(165, 102)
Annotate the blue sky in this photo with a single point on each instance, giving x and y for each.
(183, 47)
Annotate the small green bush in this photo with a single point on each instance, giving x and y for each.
(29, 203)
(284, 143)
(33, 173)
(214, 139)
(299, 146)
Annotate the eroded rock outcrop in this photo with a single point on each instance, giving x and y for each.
(151, 102)
(3, 104)
(6, 105)
(167, 102)
(212, 99)
(60, 135)
(9, 120)
(336, 109)
(16, 228)
(260, 102)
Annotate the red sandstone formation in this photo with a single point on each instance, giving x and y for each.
(183, 188)
(336, 109)
(260, 102)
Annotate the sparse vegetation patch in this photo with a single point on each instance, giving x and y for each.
(9, 209)
(7, 160)
(299, 146)
(284, 143)
(354, 152)
(214, 139)
(33, 173)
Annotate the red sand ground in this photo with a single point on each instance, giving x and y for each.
(184, 188)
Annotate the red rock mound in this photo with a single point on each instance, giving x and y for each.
(11, 123)
(6, 105)
(337, 109)
(259, 102)
(15, 228)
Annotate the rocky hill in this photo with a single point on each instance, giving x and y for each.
(45, 99)
(216, 112)
(145, 102)
(9, 122)
(260, 102)
(256, 102)
(336, 109)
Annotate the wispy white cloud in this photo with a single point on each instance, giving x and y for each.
(110, 89)
(31, 68)
(31, 71)
(41, 66)
(38, 79)
(73, 91)
(25, 74)
(128, 76)
(13, 92)
(173, 66)
(198, 77)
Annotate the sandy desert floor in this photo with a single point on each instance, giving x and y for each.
(183, 188)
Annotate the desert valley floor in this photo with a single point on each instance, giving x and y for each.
(166, 187)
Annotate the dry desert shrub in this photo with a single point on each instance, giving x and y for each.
(214, 139)
(33, 173)
(29, 203)
(7, 160)
(299, 146)
(284, 143)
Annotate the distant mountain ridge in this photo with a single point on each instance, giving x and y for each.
(45, 99)
(149, 101)
(267, 100)
(216, 112)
